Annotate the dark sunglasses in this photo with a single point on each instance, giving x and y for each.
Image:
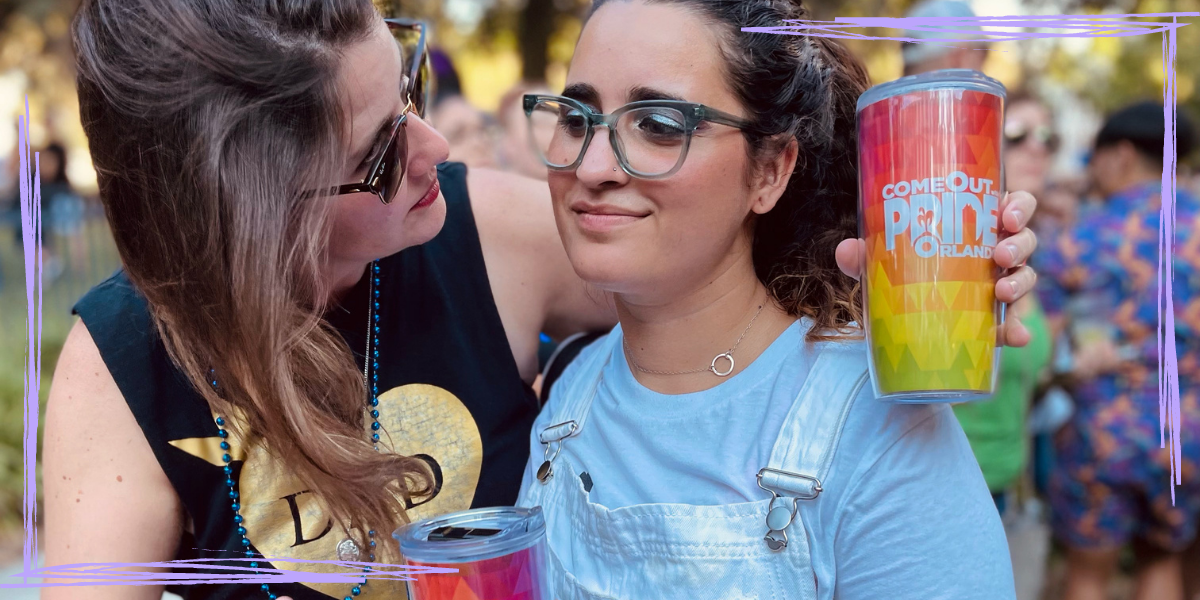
(389, 163)
(1016, 134)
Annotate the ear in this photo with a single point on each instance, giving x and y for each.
(773, 178)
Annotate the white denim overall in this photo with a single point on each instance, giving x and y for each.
(691, 552)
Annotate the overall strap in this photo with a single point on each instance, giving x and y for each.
(568, 419)
(809, 437)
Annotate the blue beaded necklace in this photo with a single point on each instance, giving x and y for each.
(371, 368)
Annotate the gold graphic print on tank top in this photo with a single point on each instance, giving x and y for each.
(283, 519)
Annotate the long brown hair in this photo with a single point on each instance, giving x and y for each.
(802, 88)
(207, 120)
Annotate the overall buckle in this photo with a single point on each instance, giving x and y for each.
(790, 486)
(554, 442)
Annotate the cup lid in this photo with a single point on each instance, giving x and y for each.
(954, 79)
(471, 535)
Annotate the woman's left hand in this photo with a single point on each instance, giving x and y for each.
(1011, 253)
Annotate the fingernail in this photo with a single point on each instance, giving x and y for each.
(1013, 285)
(1019, 215)
(1012, 251)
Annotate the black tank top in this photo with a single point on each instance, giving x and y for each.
(449, 389)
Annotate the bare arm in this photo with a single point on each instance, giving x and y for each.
(535, 287)
(106, 497)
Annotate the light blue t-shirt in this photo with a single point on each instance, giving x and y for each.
(905, 512)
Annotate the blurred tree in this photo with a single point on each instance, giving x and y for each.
(7, 8)
(537, 25)
(1108, 73)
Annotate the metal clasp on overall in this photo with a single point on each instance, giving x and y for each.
(546, 472)
(779, 518)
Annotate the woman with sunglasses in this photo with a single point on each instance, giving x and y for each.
(318, 331)
(723, 440)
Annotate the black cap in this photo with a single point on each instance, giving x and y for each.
(1142, 125)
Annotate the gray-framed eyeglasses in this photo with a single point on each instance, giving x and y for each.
(650, 138)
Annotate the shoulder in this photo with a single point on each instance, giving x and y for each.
(512, 210)
(83, 388)
(84, 397)
(886, 448)
(121, 341)
(116, 294)
(903, 494)
(489, 186)
(117, 317)
(877, 428)
(877, 431)
(587, 363)
(80, 353)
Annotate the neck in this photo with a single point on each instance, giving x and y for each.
(342, 276)
(1137, 171)
(686, 332)
(1140, 179)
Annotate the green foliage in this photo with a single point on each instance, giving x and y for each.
(1134, 65)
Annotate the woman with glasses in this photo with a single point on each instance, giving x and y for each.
(318, 331)
(723, 440)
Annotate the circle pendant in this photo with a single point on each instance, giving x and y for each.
(545, 472)
(713, 367)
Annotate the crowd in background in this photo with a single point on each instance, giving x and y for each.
(1070, 445)
(62, 212)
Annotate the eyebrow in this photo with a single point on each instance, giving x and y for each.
(639, 93)
(587, 94)
(583, 92)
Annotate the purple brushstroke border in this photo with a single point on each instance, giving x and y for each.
(963, 30)
(1168, 368)
(31, 230)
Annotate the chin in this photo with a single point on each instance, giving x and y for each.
(423, 224)
(608, 267)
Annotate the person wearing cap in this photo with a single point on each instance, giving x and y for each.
(1112, 483)
(942, 48)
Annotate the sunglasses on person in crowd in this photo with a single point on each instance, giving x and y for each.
(1016, 134)
(389, 160)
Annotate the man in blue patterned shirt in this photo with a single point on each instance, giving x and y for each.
(1112, 482)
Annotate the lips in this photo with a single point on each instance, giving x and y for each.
(430, 195)
(606, 210)
(604, 217)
